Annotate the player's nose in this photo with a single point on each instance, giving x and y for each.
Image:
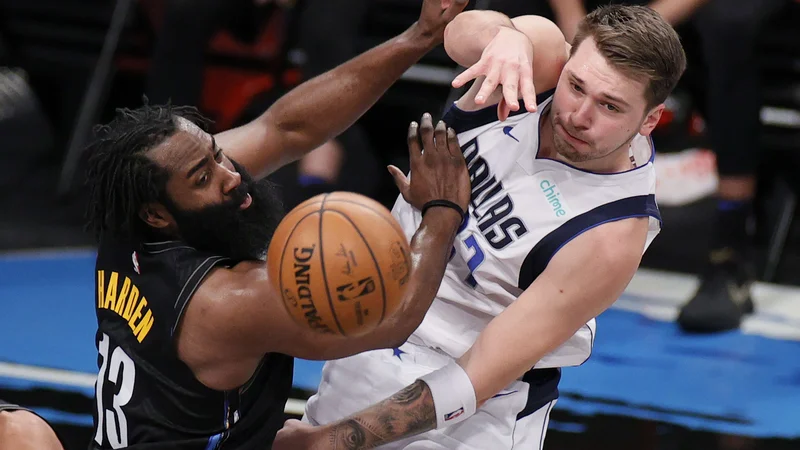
(582, 117)
(231, 181)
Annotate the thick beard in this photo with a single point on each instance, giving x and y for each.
(227, 230)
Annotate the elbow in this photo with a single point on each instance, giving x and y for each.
(456, 47)
(468, 33)
(275, 121)
(405, 325)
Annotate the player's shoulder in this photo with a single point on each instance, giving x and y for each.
(224, 283)
(464, 118)
(236, 276)
(215, 322)
(617, 239)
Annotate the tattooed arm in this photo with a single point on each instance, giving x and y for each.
(406, 413)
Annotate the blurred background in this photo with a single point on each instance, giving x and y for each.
(728, 159)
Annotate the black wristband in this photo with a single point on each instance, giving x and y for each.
(447, 204)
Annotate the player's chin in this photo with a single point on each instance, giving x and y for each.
(576, 156)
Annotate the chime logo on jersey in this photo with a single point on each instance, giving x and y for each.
(552, 194)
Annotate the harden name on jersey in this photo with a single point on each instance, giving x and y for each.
(119, 294)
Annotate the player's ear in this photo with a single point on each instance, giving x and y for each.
(156, 215)
(651, 120)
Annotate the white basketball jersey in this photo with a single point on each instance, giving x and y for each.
(523, 210)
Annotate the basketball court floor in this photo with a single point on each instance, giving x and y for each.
(647, 385)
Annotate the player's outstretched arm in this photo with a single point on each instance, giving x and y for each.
(235, 317)
(509, 58)
(324, 106)
(582, 280)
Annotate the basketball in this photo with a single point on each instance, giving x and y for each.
(341, 263)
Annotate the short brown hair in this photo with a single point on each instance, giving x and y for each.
(638, 42)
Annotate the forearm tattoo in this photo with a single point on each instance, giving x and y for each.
(404, 414)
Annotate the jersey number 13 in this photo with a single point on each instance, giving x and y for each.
(118, 374)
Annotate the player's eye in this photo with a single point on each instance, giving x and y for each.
(203, 179)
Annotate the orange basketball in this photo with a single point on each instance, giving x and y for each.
(341, 263)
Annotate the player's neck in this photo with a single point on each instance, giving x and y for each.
(617, 161)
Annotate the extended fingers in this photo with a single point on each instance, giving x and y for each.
(527, 88)
(414, 149)
(453, 148)
(489, 84)
(511, 89)
(440, 136)
(426, 132)
(400, 180)
(474, 71)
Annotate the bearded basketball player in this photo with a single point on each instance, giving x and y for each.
(194, 347)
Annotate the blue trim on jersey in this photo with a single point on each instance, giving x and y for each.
(542, 389)
(213, 441)
(216, 440)
(462, 121)
(544, 250)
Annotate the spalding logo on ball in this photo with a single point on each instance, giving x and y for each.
(341, 263)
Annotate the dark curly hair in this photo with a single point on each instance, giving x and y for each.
(119, 177)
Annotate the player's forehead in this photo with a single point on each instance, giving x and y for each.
(588, 66)
(179, 152)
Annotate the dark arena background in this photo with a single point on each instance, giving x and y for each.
(67, 64)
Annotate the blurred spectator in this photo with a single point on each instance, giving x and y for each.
(729, 31)
(567, 13)
(327, 37)
(178, 61)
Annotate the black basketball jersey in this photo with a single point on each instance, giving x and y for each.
(145, 396)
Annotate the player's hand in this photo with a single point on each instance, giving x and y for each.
(435, 16)
(438, 169)
(508, 62)
(297, 435)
